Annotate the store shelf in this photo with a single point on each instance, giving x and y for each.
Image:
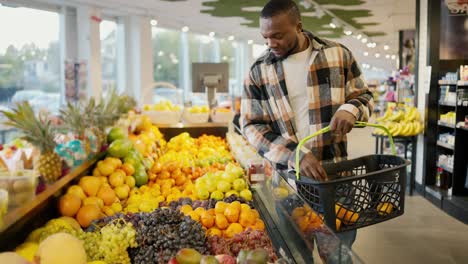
(447, 104)
(436, 192)
(447, 169)
(440, 123)
(445, 145)
(445, 82)
(17, 214)
(462, 83)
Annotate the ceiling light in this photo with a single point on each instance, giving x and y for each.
(159, 66)
(393, 57)
(211, 34)
(348, 32)
(387, 56)
(250, 42)
(185, 29)
(161, 53)
(154, 22)
(366, 53)
(386, 47)
(332, 25)
(374, 45)
(364, 40)
(377, 55)
(359, 36)
(369, 45)
(231, 38)
(225, 57)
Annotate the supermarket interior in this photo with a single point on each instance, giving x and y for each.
(224, 131)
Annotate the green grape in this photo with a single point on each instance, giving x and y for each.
(116, 238)
(91, 242)
(54, 228)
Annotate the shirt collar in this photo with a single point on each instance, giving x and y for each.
(317, 44)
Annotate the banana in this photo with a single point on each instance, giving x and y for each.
(411, 114)
(396, 130)
(387, 114)
(417, 128)
(407, 127)
(418, 116)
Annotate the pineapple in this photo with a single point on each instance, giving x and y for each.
(39, 132)
(74, 119)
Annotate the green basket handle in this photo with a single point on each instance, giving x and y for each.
(327, 129)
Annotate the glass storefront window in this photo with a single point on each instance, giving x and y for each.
(30, 63)
(166, 56)
(108, 36)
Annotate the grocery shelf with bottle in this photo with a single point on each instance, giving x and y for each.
(447, 186)
(145, 197)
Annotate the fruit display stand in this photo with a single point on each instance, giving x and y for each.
(293, 240)
(22, 220)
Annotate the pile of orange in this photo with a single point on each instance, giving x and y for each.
(99, 195)
(306, 219)
(226, 219)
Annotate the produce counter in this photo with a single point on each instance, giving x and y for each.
(289, 242)
(289, 223)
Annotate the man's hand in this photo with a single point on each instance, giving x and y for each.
(342, 122)
(311, 167)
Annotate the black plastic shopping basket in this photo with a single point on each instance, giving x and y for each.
(359, 192)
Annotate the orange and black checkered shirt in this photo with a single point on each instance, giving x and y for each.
(334, 83)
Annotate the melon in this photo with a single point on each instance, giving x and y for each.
(61, 248)
(12, 258)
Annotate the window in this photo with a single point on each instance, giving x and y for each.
(30, 63)
(108, 32)
(166, 47)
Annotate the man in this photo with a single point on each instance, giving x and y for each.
(301, 84)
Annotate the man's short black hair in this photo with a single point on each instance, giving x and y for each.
(277, 7)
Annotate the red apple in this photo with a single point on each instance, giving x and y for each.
(173, 261)
(226, 259)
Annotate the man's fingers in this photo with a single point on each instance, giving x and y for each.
(323, 174)
(333, 125)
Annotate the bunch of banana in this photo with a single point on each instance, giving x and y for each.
(401, 123)
(412, 114)
(401, 129)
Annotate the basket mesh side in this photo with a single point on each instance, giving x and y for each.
(358, 201)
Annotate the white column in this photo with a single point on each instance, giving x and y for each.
(423, 37)
(121, 56)
(139, 58)
(184, 65)
(89, 47)
(68, 43)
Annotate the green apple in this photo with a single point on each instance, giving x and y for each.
(231, 193)
(203, 194)
(239, 184)
(246, 194)
(224, 186)
(218, 195)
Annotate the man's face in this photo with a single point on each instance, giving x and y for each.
(280, 33)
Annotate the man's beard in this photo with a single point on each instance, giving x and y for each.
(291, 50)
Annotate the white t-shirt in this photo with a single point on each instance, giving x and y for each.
(296, 71)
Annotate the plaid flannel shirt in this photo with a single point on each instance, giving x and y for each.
(334, 83)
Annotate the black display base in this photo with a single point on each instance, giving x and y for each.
(457, 207)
